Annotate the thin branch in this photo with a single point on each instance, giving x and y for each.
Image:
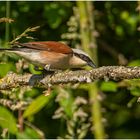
(20, 120)
(25, 34)
(7, 25)
(4, 19)
(13, 80)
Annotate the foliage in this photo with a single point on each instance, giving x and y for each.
(66, 112)
(7, 120)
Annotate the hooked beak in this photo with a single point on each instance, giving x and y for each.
(91, 64)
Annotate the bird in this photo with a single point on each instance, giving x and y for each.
(51, 55)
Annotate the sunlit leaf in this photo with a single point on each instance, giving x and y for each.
(37, 105)
(124, 15)
(33, 71)
(109, 86)
(135, 91)
(28, 133)
(7, 120)
(5, 68)
(134, 63)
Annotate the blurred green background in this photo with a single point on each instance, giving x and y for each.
(106, 109)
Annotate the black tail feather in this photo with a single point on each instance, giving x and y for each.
(4, 49)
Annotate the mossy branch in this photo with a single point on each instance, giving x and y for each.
(116, 73)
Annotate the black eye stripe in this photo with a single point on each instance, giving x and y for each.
(83, 57)
(86, 59)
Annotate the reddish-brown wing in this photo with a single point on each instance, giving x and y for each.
(48, 46)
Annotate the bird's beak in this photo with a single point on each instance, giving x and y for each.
(90, 63)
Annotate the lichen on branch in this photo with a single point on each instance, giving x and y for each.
(12, 80)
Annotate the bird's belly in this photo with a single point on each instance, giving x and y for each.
(43, 58)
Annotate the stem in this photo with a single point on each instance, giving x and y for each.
(89, 45)
(98, 128)
(7, 24)
(83, 26)
(20, 120)
(93, 43)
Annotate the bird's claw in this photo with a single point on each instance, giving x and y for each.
(47, 67)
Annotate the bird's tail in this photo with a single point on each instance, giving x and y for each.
(9, 49)
(4, 49)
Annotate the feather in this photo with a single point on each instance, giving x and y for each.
(51, 46)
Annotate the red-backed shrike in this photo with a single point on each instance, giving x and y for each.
(51, 55)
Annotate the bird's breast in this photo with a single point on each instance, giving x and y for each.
(56, 60)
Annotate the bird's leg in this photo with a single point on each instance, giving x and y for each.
(47, 70)
(51, 71)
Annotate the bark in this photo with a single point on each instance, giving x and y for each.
(13, 80)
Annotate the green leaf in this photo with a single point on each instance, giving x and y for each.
(5, 68)
(33, 71)
(119, 30)
(56, 14)
(109, 86)
(37, 105)
(66, 101)
(125, 15)
(32, 92)
(135, 91)
(28, 133)
(134, 63)
(7, 120)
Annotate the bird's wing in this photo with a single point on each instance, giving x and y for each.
(48, 46)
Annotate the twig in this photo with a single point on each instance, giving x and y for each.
(24, 34)
(13, 80)
(7, 25)
(4, 19)
(20, 120)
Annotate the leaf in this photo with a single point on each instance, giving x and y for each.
(66, 101)
(32, 92)
(28, 133)
(124, 15)
(56, 14)
(119, 30)
(109, 86)
(7, 120)
(134, 63)
(37, 105)
(33, 71)
(5, 68)
(135, 91)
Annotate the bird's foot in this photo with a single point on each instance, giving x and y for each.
(47, 67)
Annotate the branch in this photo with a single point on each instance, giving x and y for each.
(25, 34)
(13, 80)
(5, 19)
